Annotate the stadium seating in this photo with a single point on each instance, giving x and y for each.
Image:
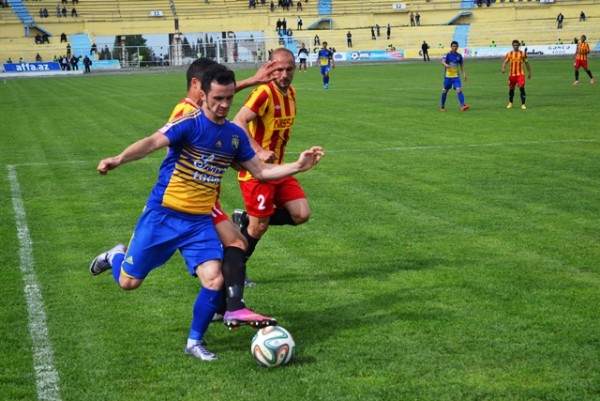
(441, 21)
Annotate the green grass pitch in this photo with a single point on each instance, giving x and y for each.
(450, 257)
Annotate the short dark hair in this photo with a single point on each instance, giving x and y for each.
(197, 69)
(517, 41)
(217, 73)
(454, 42)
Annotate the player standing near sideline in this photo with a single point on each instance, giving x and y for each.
(233, 312)
(581, 60)
(452, 62)
(517, 58)
(325, 61)
(177, 216)
(302, 56)
(269, 114)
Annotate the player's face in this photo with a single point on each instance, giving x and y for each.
(516, 46)
(218, 101)
(284, 73)
(582, 39)
(454, 48)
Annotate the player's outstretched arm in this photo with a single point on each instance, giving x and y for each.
(268, 172)
(135, 151)
(263, 75)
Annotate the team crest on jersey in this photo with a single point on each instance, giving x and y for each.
(277, 107)
(235, 142)
(219, 144)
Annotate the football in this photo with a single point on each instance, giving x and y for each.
(273, 346)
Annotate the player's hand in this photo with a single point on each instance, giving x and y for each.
(267, 156)
(310, 158)
(107, 164)
(265, 72)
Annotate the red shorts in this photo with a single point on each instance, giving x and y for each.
(261, 198)
(580, 63)
(218, 215)
(516, 80)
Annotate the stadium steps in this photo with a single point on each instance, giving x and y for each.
(325, 7)
(80, 44)
(461, 35)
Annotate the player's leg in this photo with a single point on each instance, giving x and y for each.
(576, 67)
(259, 198)
(521, 84)
(459, 93)
(150, 247)
(202, 252)
(291, 204)
(445, 88)
(511, 93)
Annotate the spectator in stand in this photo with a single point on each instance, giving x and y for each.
(559, 20)
(68, 50)
(58, 10)
(412, 19)
(87, 62)
(73, 12)
(299, 23)
(582, 17)
(284, 25)
(93, 49)
(38, 58)
(45, 38)
(418, 18)
(38, 39)
(349, 39)
(317, 41)
(74, 63)
(46, 13)
(389, 31)
(272, 6)
(378, 30)
(278, 26)
(373, 37)
(41, 13)
(63, 37)
(9, 61)
(64, 12)
(299, 5)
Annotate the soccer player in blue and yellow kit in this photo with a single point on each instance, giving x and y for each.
(517, 59)
(452, 62)
(581, 60)
(177, 216)
(325, 62)
(233, 310)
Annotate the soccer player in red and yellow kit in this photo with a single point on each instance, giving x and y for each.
(517, 59)
(268, 116)
(581, 60)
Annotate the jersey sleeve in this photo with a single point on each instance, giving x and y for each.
(258, 100)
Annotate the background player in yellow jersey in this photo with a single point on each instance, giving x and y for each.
(268, 115)
(234, 311)
(325, 62)
(516, 77)
(581, 60)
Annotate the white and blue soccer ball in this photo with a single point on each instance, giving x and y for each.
(273, 346)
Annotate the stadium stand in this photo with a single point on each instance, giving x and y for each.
(441, 21)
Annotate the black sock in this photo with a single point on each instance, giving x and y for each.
(589, 73)
(234, 272)
(576, 75)
(281, 217)
(511, 95)
(251, 243)
(523, 96)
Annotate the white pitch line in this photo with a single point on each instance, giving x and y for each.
(46, 376)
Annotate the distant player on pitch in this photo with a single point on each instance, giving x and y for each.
(517, 59)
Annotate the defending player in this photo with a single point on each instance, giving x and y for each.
(581, 60)
(517, 58)
(325, 61)
(452, 62)
(268, 116)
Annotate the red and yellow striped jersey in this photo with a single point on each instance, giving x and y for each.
(272, 127)
(517, 61)
(183, 107)
(583, 49)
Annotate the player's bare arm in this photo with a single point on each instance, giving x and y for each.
(135, 151)
(268, 172)
(242, 119)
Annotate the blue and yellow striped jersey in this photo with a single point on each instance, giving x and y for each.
(200, 152)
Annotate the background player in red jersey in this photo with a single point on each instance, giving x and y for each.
(517, 59)
(581, 60)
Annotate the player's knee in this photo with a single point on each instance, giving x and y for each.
(128, 283)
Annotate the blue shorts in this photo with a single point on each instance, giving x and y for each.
(158, 235)
(324, 70)
(452, 82)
